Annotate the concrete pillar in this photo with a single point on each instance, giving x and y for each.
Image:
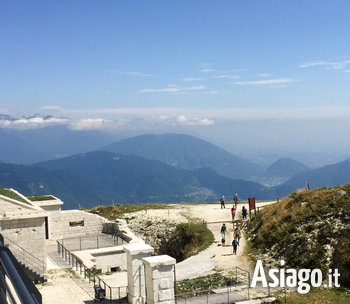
(136, 275)
(160, 279)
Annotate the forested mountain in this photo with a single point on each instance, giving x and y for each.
(103, 177)
(185, 152)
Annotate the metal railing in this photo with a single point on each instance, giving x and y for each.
(112, 293)
(15, 286)
(92, 242)
(25, 257)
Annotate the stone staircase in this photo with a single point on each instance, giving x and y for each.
(34, 268)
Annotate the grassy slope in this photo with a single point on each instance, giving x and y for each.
(113, 212)
(309, 229)
(317, 296)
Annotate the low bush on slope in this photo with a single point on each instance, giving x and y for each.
(187, 239)
(308, 229)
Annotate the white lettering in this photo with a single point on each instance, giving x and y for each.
(291, 279)
(303, 277)
(259, 275)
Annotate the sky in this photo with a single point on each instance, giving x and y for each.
(270, 72)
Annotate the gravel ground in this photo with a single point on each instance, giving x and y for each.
(66, 287)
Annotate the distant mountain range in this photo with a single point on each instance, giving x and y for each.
(327, 176)
(21, 145)
(285, 167)
(105, 177)
(187, 152)
(147, 168)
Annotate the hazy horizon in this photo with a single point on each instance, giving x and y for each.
(258, 78)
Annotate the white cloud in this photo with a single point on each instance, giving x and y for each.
(173, 89)
(264, 75)
(276, 81)
(336, 65)
(224, 76)
(194, 121)
(192, 79)
(206, 70)
(31, 122)
(153, 118)
(88, 124)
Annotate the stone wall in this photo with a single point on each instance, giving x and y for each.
(72, 223)
(103, 258)
(8, 205)
(106, 260)
(27, 232)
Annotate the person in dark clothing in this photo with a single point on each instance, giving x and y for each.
(235, 199)
(237, 234)
(223, 233)
(222, 201)
(244, 213)
(235, 245)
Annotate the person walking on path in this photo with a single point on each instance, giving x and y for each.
(223, 233)
(235, 199)
(233, 212)
(244, 213)
(235, 245)
(222, 201)
(237, 234)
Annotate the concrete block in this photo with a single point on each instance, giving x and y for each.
(165, 284)
(164, 295)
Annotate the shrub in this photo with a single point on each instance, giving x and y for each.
(187, 239)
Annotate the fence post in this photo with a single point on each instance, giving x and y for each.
(97, 243)
(228, 295)
(248, 284)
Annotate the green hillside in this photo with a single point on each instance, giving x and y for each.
(308, 229)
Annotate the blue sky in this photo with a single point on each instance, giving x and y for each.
(180, 62)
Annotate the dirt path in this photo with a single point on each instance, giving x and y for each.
(65, 287)
(216, 257)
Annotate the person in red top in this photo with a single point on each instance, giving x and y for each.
(233, 212)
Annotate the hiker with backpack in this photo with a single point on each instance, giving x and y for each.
(237, 234)
(235, 244)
